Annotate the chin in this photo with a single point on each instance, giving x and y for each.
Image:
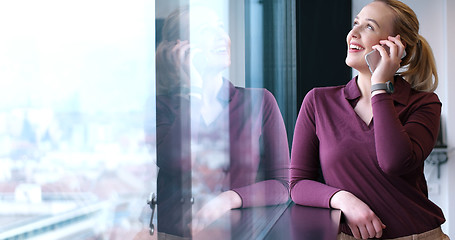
(349, 63)
(357, 63)
(221, 63)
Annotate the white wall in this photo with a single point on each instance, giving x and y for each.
(450, 114)
(237, 33)
(437, 25)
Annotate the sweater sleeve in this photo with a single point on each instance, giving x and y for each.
(403, 145)
(273, 188)
(173, 133)
(305, 162)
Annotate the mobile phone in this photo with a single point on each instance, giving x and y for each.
(374, 57)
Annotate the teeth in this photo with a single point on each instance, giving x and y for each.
(221, 49)
(352, 46)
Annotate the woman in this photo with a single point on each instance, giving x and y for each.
(219, 147)
(370, 141)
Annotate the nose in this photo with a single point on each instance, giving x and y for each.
(222, 34)
(354, 33)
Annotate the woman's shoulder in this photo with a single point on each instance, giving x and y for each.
(251, 90)
(322, 99)
(329, 93)
(413, 95)
(423, 97)
(327, 90)
(255, 94)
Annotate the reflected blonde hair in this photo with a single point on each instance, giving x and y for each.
(419, 63)
(177, 25)
(170, 77)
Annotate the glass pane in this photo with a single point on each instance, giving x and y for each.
(81, 139)
(76, 77)
(221, 148)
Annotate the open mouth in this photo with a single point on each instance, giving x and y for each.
(220, 50)
(355, 47)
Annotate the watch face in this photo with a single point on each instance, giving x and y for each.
(390, 88)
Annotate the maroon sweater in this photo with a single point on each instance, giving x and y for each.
(380, 163)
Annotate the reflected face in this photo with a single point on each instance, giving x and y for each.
(372, 24)
(209, 38)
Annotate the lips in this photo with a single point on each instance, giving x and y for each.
(220, 50)
(355, 47)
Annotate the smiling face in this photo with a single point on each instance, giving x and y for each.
(209, 38)
(372, 24)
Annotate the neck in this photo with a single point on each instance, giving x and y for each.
(211, 86)
(364, 83)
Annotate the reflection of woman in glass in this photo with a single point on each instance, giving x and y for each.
(370, 141)
(219, 147)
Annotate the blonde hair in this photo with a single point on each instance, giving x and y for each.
(419, 63)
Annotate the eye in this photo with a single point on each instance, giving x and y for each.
(370, 27)
(355, 24)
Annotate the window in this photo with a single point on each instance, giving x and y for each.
(219, 145)
(78, 109)
(76, 76)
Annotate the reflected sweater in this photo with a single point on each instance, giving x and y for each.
(258, 152)
(380, 163)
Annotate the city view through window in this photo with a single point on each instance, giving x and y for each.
(77, 85)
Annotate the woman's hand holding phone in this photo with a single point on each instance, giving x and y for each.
(186, 60)
(384, 61)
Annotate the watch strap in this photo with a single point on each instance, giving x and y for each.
(378, 86)
(388, 87)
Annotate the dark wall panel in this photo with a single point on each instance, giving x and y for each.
(321, 29)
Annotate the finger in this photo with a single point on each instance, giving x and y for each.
(400, 46)
(371, 230)
(180, 50)
(196, 226)
(378, 226)
(397, 40)
(393, 49)
(355, 231)
(381, 50)
(184, 52)
(364, 232)
(393, 59)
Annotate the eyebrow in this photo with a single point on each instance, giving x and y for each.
(374, 21)
(370, 20)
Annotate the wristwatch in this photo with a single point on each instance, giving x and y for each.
(388, 87)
